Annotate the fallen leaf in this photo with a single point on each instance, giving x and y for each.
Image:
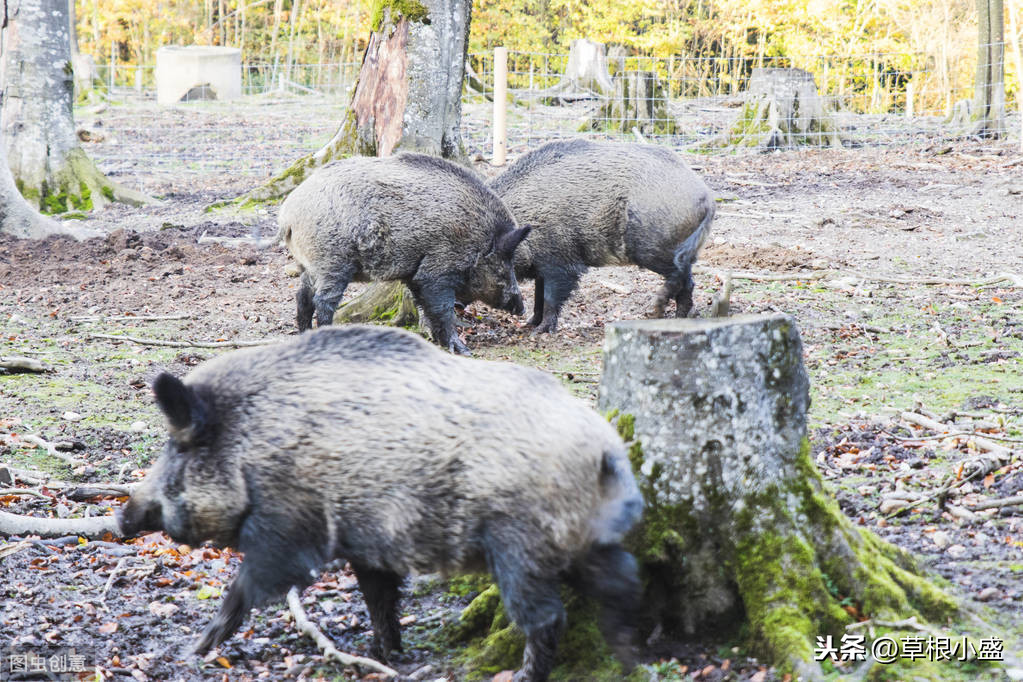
(224, 662)
(108, 628)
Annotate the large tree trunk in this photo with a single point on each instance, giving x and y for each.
(49, 166)
(16, 216)
(408, 98)
(738, 528)
(989, 87)
(408, 95)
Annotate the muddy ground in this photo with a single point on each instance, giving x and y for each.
(853, 223)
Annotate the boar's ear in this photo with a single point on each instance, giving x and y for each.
(511, 240)
(188, 415)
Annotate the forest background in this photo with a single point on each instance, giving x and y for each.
(936, 36)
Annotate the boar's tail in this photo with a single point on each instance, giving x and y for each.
(685, 254)
(622, 503)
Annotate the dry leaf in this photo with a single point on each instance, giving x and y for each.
(108, 628)
(224, 662)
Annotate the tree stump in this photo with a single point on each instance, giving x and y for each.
(586, 75)
(639, 102)
(389, 302)
(738, 531)
(783, 109)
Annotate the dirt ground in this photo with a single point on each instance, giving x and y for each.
(851, 223)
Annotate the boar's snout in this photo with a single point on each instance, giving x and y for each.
(515, 305)
(137, 515)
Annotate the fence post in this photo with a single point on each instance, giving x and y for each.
(909, 99)
(113, 58)
(500, 105)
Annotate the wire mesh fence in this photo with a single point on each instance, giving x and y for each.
(729, 103)
(719, 104)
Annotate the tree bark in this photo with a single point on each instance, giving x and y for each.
(738, 528)
(49, 166)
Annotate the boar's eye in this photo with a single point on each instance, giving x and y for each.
(190, 417)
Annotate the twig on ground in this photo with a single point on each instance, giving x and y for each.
(1007, 279)
(181, 344)
(127, 318)
(995, 504)
(51, 450)
(259, 244)
(306, 627)
(110, 581)
(14, 548)
(93, 528)
(981, 443)
(13, 363)
(617, 288)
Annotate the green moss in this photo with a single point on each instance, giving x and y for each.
(412, 10)
(464, 585)
(108, 192)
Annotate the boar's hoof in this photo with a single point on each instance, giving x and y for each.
(456, 346)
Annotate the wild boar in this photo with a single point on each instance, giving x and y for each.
(592, 204)
(369, 444)
(412, 217)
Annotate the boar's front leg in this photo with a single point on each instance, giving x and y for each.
(273, 564)
(537, 317)
(531, 599)
(381, 589)
(437, 299)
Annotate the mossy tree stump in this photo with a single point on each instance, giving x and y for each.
(37, 127)
(640, 102)
(739, 533)
(783, 109)
(389, 302)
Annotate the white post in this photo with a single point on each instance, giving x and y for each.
(500, 105)
(113, 57)
(909, 99)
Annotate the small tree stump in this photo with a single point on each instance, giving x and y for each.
(783, 109)
(738, 529)
(639, 102)
(389, 302)
(585, 77)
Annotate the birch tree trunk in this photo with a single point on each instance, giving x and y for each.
(49, 166)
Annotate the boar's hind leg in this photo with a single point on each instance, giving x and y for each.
(537, 317)
(381, 592)
(558, 285)
(304, 303)
(329, 292)
(677, 285)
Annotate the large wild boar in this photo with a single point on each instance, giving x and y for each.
(369, 444)
(412, 217)
(592, 204)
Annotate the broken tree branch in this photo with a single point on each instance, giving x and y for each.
(93, 528)
(13, 363)
(306, 627)
(995, 504)
(51, 450)
(981, 443)
(181, 344)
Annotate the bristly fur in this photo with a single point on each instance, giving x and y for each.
(371, 445)
(593, 204)
(427, 222)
